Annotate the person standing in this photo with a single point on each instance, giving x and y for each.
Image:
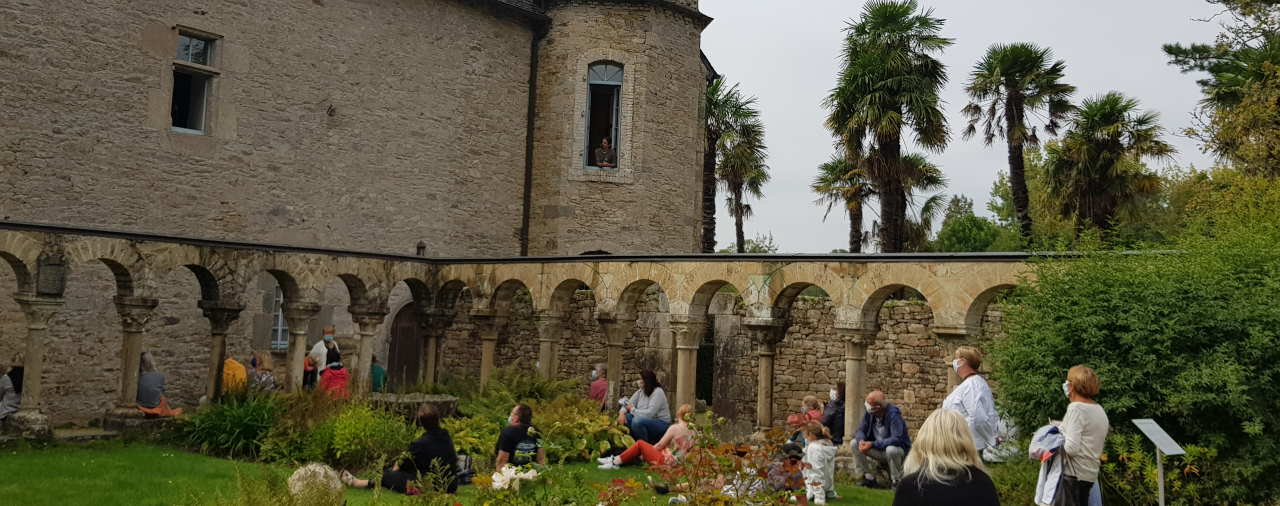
(606, 157)
(598, 390)
(335, 377)
(944, 467)
(833, 415)
(320, 352)
(881, 437)
(646, 413)
(972, 398)
(1084, 431)
(377, 375)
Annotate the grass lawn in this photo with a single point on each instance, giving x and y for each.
(109, 473)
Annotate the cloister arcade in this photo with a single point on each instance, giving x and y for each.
(957, 289)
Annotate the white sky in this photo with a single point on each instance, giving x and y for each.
(786, 52)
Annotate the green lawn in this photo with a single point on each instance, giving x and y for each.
(109, 473)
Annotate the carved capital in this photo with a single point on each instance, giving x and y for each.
(616, 329)
(687, 330)
(488, 323)
(766, 331)
(550, 326)
(39, 310)
(220, 314)
(135, 312)
(857, 335)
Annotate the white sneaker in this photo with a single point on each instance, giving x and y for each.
(608, 465)
(604, 460)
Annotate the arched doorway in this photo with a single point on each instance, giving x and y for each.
(404, 365)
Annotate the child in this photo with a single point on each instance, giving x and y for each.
(810, 411)
(786, 474)
(820, 463)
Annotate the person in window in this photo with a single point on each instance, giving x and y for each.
(943, 466)
(151, 399)
(431, 454)
(605, 155)
(646, 413)
(518, 443)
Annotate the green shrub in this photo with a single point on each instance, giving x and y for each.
(303, 431)
(474, 436)
(1015, 480)
(573, 428)
(234, 427)
(1130, 476)
(363, 435)
(1188, 338)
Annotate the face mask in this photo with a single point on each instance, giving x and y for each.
(328, 338)
(594, 374)
(1066, 389)
(834, 394)
(868, 406)
(639, 384)
(955, 364)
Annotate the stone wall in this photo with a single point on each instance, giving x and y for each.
(650, 202)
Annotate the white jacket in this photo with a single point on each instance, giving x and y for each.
(821, 457)
(972, 398)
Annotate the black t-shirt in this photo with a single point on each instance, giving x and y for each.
(521, 446)
(434, 453)
(975, 489)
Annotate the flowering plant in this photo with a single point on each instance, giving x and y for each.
(509, 477)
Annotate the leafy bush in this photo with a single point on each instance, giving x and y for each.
(1189, 338)
(554, 485)
(303, 431)
(1130, 475)
(473, 435)
(1015, 480)
(573, 428)
(234, 427)
(363, 435)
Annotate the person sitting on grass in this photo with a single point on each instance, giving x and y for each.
(432, 461)
(334, 378)
(151, 399)
(518, 444)
(678, 436)
(646, 413)
(10, 396)
(820, 463)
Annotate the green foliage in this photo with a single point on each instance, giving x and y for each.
(1189, 338)
(761, 243)
(554, 485)
(363, 435)
(234, 427)
(1129, 474)
(473, 435)
(303, 431)
(573, 428)
(1015, 480)
(966, 233)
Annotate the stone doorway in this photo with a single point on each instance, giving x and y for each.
(404, 363)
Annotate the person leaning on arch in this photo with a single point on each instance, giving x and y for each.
(1084, 431)
(944, 467)
(972, 398)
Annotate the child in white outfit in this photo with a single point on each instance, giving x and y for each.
(820, 463)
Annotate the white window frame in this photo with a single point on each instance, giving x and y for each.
(279, 326)
(206, 73)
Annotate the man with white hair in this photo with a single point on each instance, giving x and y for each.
(881, 439)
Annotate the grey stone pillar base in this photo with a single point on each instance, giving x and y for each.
(30, 423)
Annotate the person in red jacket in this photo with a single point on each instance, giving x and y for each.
(335, 377)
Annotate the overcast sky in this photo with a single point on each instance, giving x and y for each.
(786, 53)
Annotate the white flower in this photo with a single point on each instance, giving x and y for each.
(510, 477)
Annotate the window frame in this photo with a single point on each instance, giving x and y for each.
(206, 74)
(279, 338)
(616, 129)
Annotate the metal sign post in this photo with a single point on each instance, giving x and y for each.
(1165, 445)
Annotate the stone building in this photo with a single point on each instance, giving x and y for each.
(444, 128)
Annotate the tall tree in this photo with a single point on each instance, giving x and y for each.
(923, 177)
(1009, 82)
(840, 183)
(1095, 169)
(724, 108)
(889, 81)
(742, 171)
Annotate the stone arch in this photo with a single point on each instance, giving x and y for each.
(702, 296)
(208, 282)
(288, 284)
(563, 294)
(21, 252)
(356, 289)
(626, 306)
(876, 299)
(127, 265)
(978, 307)
(500, 301)
(450, 293)
(787, 296)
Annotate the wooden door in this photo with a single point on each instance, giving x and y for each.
(405, 363)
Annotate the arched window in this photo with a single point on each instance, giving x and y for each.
(604, 98)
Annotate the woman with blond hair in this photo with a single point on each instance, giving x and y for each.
(943, 466)
(677, 440)
(1084, 431)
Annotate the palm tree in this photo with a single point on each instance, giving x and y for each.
(1009, 82)
(742, 171)
(723, 110)
(1093, 168)
(839, 182)
(889, 80)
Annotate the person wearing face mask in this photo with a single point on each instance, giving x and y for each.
(1084, 431)
(518, 443)
(599, 387)
(833, 415)
(881, 439)
(972, 398)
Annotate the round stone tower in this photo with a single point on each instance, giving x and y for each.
(630, 73)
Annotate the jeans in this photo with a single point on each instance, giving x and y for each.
(891, 455)
(646, 429)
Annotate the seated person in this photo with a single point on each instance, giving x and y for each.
(787, 474)
(517, 446)
(431, 455)
(679, 435)
(646, 413)
(811, 411)
(262, 379)
(10, 395)
(335, 377)
(881, 438)
(151, 399)
(234, 376)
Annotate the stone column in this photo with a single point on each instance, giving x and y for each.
(220, 316)
(298, 315)
(367, 321)
(687, 332)
(134, 314)
(855, 377)
(489, 325)
(436, 322)
(765, 333)
(550, 329)
(617, 330)
(38, 311)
